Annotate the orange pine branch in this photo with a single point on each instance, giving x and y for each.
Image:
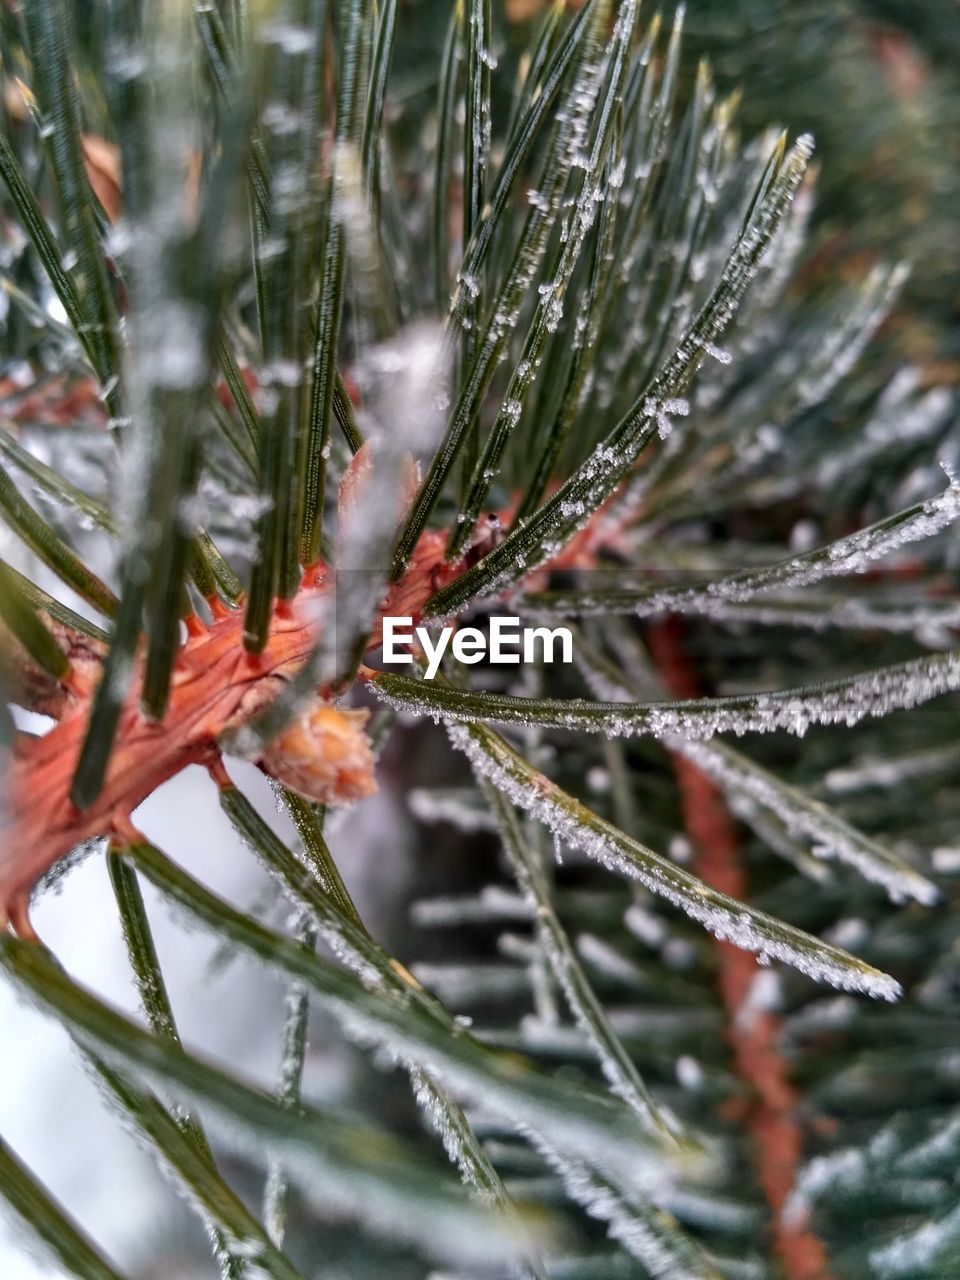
(217, 686)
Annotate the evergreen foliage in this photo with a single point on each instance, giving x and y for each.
(694, 1013)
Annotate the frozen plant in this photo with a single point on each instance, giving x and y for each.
(309, 325)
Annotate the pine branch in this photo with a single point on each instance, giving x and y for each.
(309, 321)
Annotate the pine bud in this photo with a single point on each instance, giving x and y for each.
(324, 755)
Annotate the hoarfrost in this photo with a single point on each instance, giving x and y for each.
(641, 1228)
(457, 807)
(917, 1252)
(844, 1169)
(803, 816)
(492, 905)
(689, 1072)
(471, 284)
(929, 622)
(615, 1063)
(716, 353)
(851, 554)
(844, 701)
(504, 1095)
(660, 411)
(437, 1114)
(723, 917)
(945, 860)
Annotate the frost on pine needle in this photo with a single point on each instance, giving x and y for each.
(424, 1091)
(848, 555)
(722, 916)
(929, 621)
(460, 807)
(851, 1173)
(493, 905)
(578, 1136)
(290, 1078)
(393, 1014)
(747, 784)
(537, 540)
(646, 1232)
(844, 701)
(904, 418)
(589, 1013)
(845, 344)
(919, 1251)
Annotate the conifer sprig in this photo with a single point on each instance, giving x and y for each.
(587, 329)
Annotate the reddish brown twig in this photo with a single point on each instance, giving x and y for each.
(753, 1034)
(216, 686)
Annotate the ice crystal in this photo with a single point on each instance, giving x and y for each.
(643, 1231)
(805, 817)
(721, 916)
(845, 701)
